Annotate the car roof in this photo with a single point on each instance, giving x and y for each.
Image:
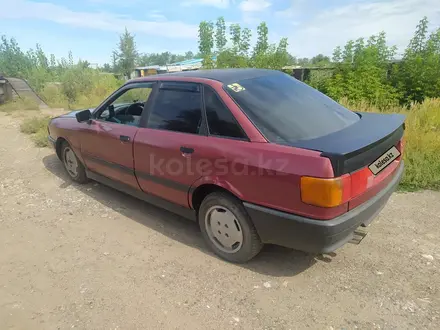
(225, 76)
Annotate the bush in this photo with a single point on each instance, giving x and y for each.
(34, 124)
(37, 128)
(19, 104)
(54, 97)
(80, 88)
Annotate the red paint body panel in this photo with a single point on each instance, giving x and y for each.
(249, 170)
(157, 153)
(377, 184)
(101, 140)
(255, 171)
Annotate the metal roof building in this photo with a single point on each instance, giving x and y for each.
(187, 65)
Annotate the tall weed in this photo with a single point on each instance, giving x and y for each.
(19, 104)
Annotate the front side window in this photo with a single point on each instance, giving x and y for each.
(221, 122)
(287, 110)
(127, 108)
(177, 107)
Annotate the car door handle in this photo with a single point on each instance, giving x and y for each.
(124, 138)
(186, 150)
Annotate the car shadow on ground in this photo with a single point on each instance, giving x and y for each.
(273, 260)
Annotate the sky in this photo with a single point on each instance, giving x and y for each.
(91, 28)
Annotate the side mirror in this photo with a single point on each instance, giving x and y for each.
(83, 116)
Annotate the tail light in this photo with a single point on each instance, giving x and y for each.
(336, 191)
(401, 145)
(326, 192)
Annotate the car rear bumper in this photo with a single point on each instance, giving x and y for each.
(318, 236)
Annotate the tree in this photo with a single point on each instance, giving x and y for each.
(189, 55)
(106, 67)
(206, 42)
(281, 55)
(303, 61)
(245, 42)
(291, 60)
(53, 61)
(337, 54)
(126, 54)
(263, 42)
(114, 62)
(362, 72)
(13, 62)
(163, 58)
(320, 60)
(235, 31)
(418, 75)
(220, 34)
(84, 64)
(237, 55)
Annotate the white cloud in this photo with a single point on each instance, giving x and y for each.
(335, 26)
(296, 7)
(157, 15)
(254, 5)
(213, 3)
(118, 3)
(22, 9)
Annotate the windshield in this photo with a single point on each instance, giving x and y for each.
(287, 110)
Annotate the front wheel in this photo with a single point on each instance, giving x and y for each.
(227, 228)
(72, 164)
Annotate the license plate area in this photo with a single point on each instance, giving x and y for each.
(383, 161)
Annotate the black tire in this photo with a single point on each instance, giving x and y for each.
(251, 243)
(80, 176)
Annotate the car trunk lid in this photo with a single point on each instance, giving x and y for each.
(360, 144)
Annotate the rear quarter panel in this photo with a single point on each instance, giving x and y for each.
(267, 174)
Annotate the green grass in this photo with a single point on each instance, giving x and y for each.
(37, 128)
(19, 104)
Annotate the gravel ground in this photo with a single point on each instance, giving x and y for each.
(89, 257)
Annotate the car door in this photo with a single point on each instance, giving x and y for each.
(165, 150)
(107, 141)
(174, 150)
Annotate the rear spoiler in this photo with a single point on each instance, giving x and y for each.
(359, 144)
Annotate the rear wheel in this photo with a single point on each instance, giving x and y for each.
(227, 228)
(72, 164)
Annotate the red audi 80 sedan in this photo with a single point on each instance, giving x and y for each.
(254, 156)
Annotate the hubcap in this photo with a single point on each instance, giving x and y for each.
(70, 162)
(223, 229)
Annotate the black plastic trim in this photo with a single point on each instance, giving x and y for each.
(156, 179)
(149, 198)
(318, 236)
(52, 141)
(359, 144)
(351, 162)
(245, 137)
(116, 166)
(164, 182)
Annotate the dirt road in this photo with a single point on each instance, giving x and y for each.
(89, 257)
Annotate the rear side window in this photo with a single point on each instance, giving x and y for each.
(287, 110)
(178, 107)
(221, 122)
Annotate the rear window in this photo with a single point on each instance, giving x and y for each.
(287, 110)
